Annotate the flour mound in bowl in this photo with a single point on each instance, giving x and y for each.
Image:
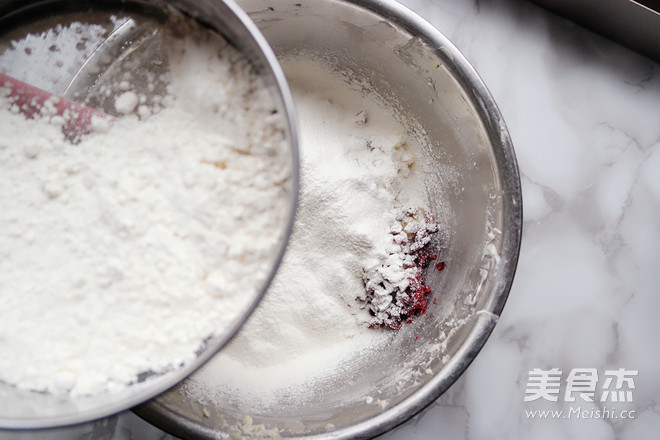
(362, 189)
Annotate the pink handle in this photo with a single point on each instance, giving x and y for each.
(30, 102)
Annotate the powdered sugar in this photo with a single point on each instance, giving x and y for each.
(126, 102)
(120, 255)
(358, 172)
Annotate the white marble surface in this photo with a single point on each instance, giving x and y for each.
(584, 116)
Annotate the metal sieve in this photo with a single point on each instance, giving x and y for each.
(75, 76)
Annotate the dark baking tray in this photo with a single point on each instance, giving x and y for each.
(635, 24)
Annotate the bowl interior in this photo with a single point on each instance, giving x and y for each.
(474, 190)
(102, 25)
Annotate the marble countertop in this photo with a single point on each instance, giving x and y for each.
(583, 317)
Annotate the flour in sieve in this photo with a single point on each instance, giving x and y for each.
(358, 170)
(119, 255)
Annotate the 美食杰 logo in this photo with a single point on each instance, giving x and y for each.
(581, 385)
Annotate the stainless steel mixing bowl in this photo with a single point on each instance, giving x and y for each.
(25, 409)
(474, 186)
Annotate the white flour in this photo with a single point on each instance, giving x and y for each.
(357, 168)
(121, 254)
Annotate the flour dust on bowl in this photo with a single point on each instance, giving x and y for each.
(149, 180)
(408, 183)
